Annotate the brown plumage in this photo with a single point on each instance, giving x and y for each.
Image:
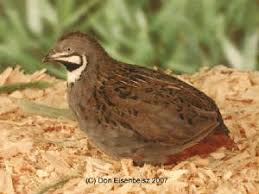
(130, 111)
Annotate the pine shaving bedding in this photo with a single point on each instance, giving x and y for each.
(46, 155)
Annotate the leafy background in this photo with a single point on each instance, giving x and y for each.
(182, 35)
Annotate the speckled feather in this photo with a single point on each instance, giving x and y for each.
(134, 112)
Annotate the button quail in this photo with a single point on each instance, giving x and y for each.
(128, 111)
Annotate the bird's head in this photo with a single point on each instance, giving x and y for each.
(75, 50)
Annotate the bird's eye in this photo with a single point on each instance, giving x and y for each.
(68, 49)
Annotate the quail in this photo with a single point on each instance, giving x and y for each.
(129, 111)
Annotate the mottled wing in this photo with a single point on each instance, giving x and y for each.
(158, 107)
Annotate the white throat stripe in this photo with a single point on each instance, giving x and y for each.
(72, 76)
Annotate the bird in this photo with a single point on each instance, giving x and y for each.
(130, 111)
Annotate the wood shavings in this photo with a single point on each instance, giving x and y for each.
(218, 155)
(48, 155)
(6, 183)
(17, 76)
(227, 188)
(7, 72)
(38, 75)
(9, 149)
(41, 173)
(57, 162)
(6, 105)
(16, 94)
(32, 94)
(227, 175)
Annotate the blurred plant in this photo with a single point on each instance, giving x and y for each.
(179, 34)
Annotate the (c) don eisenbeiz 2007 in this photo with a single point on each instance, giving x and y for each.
(128, 111)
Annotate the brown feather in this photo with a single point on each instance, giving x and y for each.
(130, 111)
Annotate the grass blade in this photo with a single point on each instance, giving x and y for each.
(20, 86)
(43, 110)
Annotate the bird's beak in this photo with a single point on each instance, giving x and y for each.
(62, 57)
(47, 58)
(52, 56)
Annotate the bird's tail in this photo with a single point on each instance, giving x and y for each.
(218, 138)
(223, 128)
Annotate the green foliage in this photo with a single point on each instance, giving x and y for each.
(43, 110)
(179, 34)
(20, 86)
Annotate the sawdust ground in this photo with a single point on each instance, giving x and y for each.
(41, 154)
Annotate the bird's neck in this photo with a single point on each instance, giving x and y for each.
(90, 72)
(74, 75)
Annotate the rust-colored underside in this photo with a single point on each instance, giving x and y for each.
(208, 145)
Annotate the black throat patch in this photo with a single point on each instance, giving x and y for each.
(71, 66)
